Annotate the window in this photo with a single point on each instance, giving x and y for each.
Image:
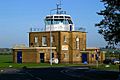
(66, 55)
(36, 42)
(61, 16)
(55, 16)
(44, 41)
(65, 21)
(70, 22)
(67, 17)
(49, 17)
(31, 44)
(77, 43)
(36, 39)
(52, 55)
(49, 21)
(52, 39)
(77, 55)
(65, 39)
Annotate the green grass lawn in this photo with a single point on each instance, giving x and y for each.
(6, 61)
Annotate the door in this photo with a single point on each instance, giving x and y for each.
(42, 57)
(19, 57)
(52, 55)
(84, 57)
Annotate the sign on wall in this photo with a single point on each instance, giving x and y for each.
(64, 47)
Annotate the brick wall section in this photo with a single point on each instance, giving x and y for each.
(32, 55)
(58, 42)
(27, 55)
(68, 55)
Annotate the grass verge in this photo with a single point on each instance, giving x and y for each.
(6, 62)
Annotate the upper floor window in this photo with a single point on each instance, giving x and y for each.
(52, 39)
(65, 39)
(36, 39)
(77, 43)
(44, 41)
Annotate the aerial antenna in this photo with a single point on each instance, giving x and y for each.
(58, 6)
(60, 3)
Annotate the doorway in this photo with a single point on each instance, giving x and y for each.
(19, 57)
(41, 57)
(84, 57)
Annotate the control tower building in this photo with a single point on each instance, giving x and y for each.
(58, 43)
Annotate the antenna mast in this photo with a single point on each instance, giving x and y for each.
(58, 6)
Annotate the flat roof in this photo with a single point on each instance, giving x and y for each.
(55, 31)
(92, 48)
(34, 48)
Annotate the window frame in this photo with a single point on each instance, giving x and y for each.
(44, 40)
(77, 43)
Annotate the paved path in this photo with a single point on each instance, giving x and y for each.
(58, 73)
(9, 71)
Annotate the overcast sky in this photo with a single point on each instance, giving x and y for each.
(18, 16)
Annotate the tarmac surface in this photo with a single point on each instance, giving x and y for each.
(57, 73)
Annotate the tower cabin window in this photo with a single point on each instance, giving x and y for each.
(55, 16)
(50, 20)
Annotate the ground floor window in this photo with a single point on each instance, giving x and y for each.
(78, 55)
(66, 55)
